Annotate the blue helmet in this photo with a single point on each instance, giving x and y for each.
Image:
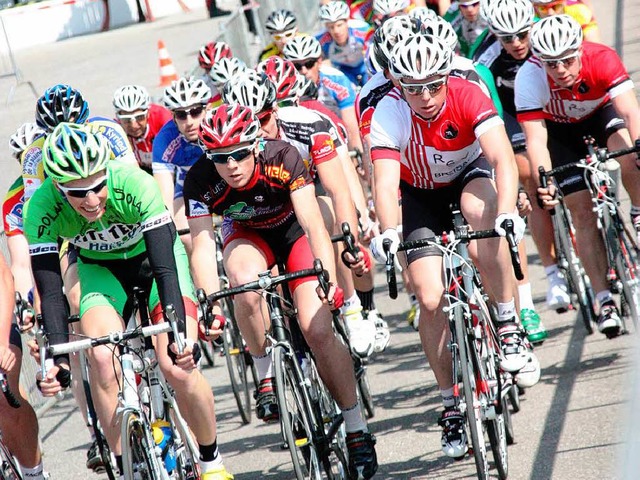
(60, 103)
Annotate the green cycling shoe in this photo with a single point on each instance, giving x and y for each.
(536, 333)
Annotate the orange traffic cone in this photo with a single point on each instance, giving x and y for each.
(168, 71)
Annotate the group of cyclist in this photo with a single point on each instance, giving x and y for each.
(432, 104)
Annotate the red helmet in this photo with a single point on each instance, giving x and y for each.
(211, 53)
(228, 125)
(284, 76)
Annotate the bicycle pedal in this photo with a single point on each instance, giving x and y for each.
(564, 310)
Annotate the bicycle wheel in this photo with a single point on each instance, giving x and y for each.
(628, 269)
(471, 399)
(296, 416)
(234, 351)
(138, 450)
(208, 351)
(568, 260)
(508, 424)
(364, 391)
(9, 469)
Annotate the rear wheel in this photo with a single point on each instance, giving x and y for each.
(628, 270)
(208, 351)
(138, 450)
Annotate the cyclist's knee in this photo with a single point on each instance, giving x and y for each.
(430, 300)
(101, 361)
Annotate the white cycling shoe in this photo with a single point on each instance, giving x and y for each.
(558, 297)
(362, 332)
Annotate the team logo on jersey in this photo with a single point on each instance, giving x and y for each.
(197, 209)
(583, 88)
(449, 131)
(239, 211)
(31, 160)
(259, 198)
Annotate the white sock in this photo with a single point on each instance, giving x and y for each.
(264, 366)
(634, 211)
(353, 419)
(210, 465)
(524, 294)
(447, 397)
(35, 473)
(507, 311)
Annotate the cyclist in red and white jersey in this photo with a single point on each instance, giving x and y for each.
(567, 90)
(140, 119)
(208, 55)
(439, 139)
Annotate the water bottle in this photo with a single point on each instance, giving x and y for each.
(163, 437)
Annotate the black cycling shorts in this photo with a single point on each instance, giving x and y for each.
(566, 144)
(513, 128)
(14, 336)
(426, 213)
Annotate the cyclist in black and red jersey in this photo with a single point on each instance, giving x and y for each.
(140, 119)
(265, 194)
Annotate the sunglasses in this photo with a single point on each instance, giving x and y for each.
(193, 112)
(264, 117)
(137, 117)
(82, 192)
(565, 61)
(236, 155)
(419, 88)
(556, 7)
(510, 38)
(308, 64)
(284, 35)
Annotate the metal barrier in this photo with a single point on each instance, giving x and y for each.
(8, 66)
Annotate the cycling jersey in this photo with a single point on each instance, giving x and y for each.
(582, 14)
(480, 75)
(368, 98)
(272, 50)
(31, 159)
(349, 58)
(12, 209)
(432, 153)
(216, 98)
(322, 110)
(335, 90)
(602, 77)
(142, 146)
(472, 36)
(173, 153)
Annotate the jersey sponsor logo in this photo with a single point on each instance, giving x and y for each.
(340, 92)
(322, 147)
(114, 237)
(158, 220)
(31, 159)
(121, 196)
(49, 218)
(240, 211)
(448, 131)
(43, 248)
(116, 141)
(197, 209)
(278, 171)
(259, 198)
(298, 183)
(30, 186)
(13, 219)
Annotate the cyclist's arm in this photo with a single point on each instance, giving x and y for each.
(355, 187)
(497, 149)
(308, 214)
(386, 174)
(203, 254)
(6, 301)
(348, 115)
(535, 132)
(166, 183)
(626, 105)
(333, 180)
(20, 263)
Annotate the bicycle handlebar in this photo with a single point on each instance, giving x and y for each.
(351, 246)
(6, 391)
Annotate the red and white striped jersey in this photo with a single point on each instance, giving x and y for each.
(432, 153)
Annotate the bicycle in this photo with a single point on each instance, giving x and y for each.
(9, 466)
(619, 242)
(311, 423)
(143, 403)
(474, 343)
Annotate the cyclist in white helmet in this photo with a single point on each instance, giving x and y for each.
(383, 9)
(580, 10)
(571, 88)
(282, 25)
(140, 119)
(175, 148)
(453, 120)
(466, 19)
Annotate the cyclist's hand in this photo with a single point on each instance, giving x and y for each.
(547, 197)
(334, 298)
(518, 225)
(188, 359)
(212, 328)
(524, 204)
(7, 359)
(377, 249)
(34, 350)
(58, 378)
(359, 265)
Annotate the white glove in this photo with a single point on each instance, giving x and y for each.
(518, 225)
(376, 244)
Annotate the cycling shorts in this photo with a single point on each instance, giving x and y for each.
(514, 130)
(427, 212)
(106, 282)
(15, 338)
(293, 251)
(566, 144)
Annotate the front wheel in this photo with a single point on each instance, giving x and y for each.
(497, 431)
(138, 450)
(628, 271)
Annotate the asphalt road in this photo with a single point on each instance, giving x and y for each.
(575, 424)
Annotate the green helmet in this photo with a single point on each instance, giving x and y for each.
(73, 151)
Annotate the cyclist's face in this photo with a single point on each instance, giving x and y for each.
(281, 38)
(268, 125)
(566, 71)
(312, 73)
(549, 9)
(427, 104)
(188, 126)
(515, 46)
(237, 174)
(470, 10)
(92, 205)
(133, 123)
(339, 31)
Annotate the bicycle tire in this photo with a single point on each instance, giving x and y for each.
(9, 468)
(208, 352)
(627, 268)
(138, 452)
(296, 415)
(236, 359)
(508, 424)
(514, 398)
(364, 391)
(474, 420)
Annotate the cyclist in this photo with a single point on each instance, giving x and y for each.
(464, 16)
(282, 25)
(175, 148)
(264, 192)
(334, 88)
(567, 90)
(384, 9)
(453, 120)
(582, 13)
(223, 71)
(208, 55)
(115, 216)
(510, 22)
(19, 426)
(344, 42)
(140, 119)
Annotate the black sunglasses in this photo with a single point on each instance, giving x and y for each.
(236, 155)
(194, 112)
(308, 64)
(84, 191)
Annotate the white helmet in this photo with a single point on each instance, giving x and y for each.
(226, 68)
(389, 7)
(555, 35)
(509, 16)
(280, 21)
(246, 74)
(387, 35)
(423, 14)
(302, 48)
(333, 11)
(258, 94)
(442, 29)
(130, 98)
(26, 134)
(420, 57)
(185, 92)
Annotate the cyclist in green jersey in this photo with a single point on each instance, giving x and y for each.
(115, 217)
(472, 30)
